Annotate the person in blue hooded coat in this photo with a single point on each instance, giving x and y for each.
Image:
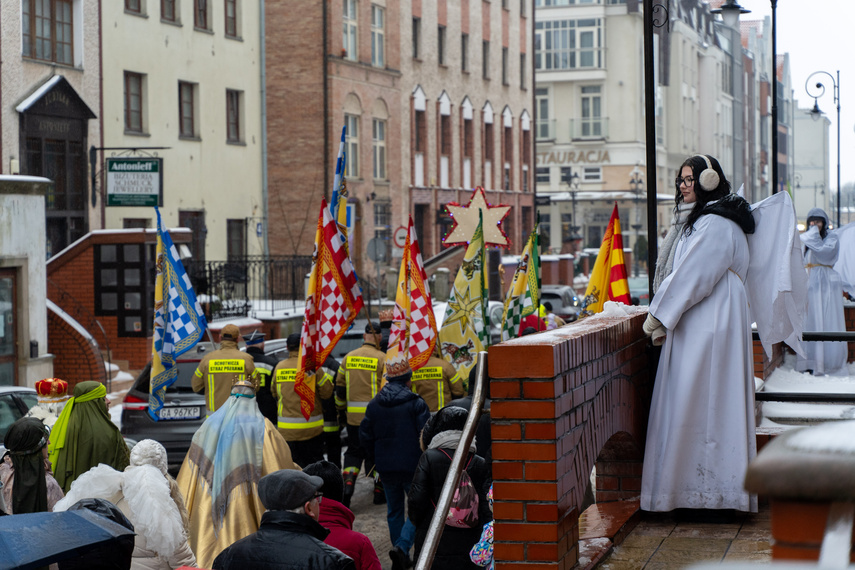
(389, 434)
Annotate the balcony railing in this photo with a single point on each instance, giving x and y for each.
(250, 286)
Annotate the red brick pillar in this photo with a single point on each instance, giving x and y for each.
(556, 399)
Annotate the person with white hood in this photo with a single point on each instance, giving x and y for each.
(825, 297)
(149, 497)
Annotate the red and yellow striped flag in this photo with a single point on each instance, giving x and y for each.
(608, 278)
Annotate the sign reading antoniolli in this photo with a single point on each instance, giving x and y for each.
(134, 181)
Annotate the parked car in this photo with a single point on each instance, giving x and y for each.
(639, 288)
(563, 299)
(15, 402)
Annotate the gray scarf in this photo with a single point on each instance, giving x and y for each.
(665, 261)
(449, 439)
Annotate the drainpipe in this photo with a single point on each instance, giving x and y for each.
(263, 90)
(327, 180)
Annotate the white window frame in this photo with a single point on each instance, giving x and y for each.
(351, 145)
(592, 174)
(378, 36)
(378, 142)
(591, 111)
(350, 30)
(559, 44)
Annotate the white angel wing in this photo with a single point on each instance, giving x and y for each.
(776, 281)
(100, 482)
(845, 264)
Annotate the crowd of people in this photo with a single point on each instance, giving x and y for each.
(264, 485)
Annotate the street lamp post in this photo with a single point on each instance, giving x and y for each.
(636, 186)
(574, 187)
(815, 113)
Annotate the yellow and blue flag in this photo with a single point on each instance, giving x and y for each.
(179, 321)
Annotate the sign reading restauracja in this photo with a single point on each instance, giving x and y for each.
(573, 157)
(134, 181)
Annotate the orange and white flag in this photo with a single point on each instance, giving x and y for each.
(609, 276)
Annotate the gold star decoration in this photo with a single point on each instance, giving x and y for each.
(461, 308)
(466, 221)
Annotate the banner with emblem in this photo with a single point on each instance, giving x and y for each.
(523, 298)
(463, 333)
(333, 300)
(179, 321)
(609, 277)
(413, 333)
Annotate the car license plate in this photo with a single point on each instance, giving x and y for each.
(180, 413)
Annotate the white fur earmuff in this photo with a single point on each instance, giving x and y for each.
(709, 178)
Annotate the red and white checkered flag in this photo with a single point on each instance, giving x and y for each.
(413, 326)
(332, 303)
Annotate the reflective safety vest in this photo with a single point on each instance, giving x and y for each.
(291, 423)
(359, 379)
(437, 382)
(217, 372)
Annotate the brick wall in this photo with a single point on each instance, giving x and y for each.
(849, 315)
(76, 359)
(561, 401)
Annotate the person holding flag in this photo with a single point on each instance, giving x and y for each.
(523, 297)
(179, 321)
(464, 334)
(609, 277)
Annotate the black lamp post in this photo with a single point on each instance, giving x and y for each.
(636, 185)
(815, 114)
(573, 183)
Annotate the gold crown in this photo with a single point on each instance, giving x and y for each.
(386, 315)
(243, 380)
(397, 368)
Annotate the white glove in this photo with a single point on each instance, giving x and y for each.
(658, 336)
(651, 323)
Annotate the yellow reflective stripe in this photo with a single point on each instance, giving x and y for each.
(361, 363)
(262, 375)
(327, 378)
(301, 423)
(357, 409)
(346, 386)
(373, 384)
(440, 394)
(199, 373)
(339, 402)
(210, 393)
(331, 427)
(454, 379)
(230, 366)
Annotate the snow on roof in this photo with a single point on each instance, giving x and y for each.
(239, 322)
(23, 178)
(70, 320)
(38, 93)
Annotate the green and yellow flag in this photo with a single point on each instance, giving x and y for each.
(608, 278)
(464, 333)
(523, 297)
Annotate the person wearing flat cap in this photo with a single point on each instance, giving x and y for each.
(290, 536)
(215, 373)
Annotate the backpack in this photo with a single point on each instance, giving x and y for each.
(463, 511)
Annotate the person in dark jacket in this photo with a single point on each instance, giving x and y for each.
(445, 430)
(389, 434)
(290, 537)
(264, 366)
(334, 419)
(483, 436)
(338, 519)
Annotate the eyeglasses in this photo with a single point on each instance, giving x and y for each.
(319, 497)
(688, 180)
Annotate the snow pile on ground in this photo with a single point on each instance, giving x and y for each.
(834, 437)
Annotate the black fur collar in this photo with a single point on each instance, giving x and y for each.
(733, 208)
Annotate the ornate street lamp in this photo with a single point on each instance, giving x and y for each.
(815, 114)
(573, 183)
(730, 12)
(636, 186)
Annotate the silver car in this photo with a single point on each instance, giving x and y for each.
(15, 402)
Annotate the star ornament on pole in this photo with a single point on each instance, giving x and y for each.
(466, 221)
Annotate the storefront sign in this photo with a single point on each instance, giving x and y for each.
(593, 157)
(134, 181)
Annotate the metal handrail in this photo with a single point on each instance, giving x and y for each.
(821, 336)
(437, 522)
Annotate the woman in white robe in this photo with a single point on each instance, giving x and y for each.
(700, 434)
(825, 298)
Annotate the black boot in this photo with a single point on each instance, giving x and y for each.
(349, 486)
(379, 492)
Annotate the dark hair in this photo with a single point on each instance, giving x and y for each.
(547, 305)
(824, 230)
(702, 197)
(293, 341)
(333, 483)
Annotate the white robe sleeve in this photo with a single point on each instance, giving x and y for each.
(845, 264)
(703, 260)
(777, 282)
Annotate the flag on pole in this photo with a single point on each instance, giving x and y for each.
(463, 332)
(413, 333)
(332, 302)
(179, 321)
(609, 277)
(338, 201)
(523, 297)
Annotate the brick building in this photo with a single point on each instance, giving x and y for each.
(436, 97)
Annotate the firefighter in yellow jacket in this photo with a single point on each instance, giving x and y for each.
(304, 437)
(215, 373)
(437, 382)
(359, 379)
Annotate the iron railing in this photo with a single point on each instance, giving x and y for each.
(252, 286)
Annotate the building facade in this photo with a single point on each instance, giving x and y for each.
(712, 97)
(184, 79)
(49, 105)
(436, 100)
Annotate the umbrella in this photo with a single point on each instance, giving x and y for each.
(34, 540)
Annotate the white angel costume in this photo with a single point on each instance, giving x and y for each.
(701, 432)
(142, 492)
(825, 301)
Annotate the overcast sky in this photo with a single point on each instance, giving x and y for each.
(819, 35)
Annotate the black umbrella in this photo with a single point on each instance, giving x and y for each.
(34, 540)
